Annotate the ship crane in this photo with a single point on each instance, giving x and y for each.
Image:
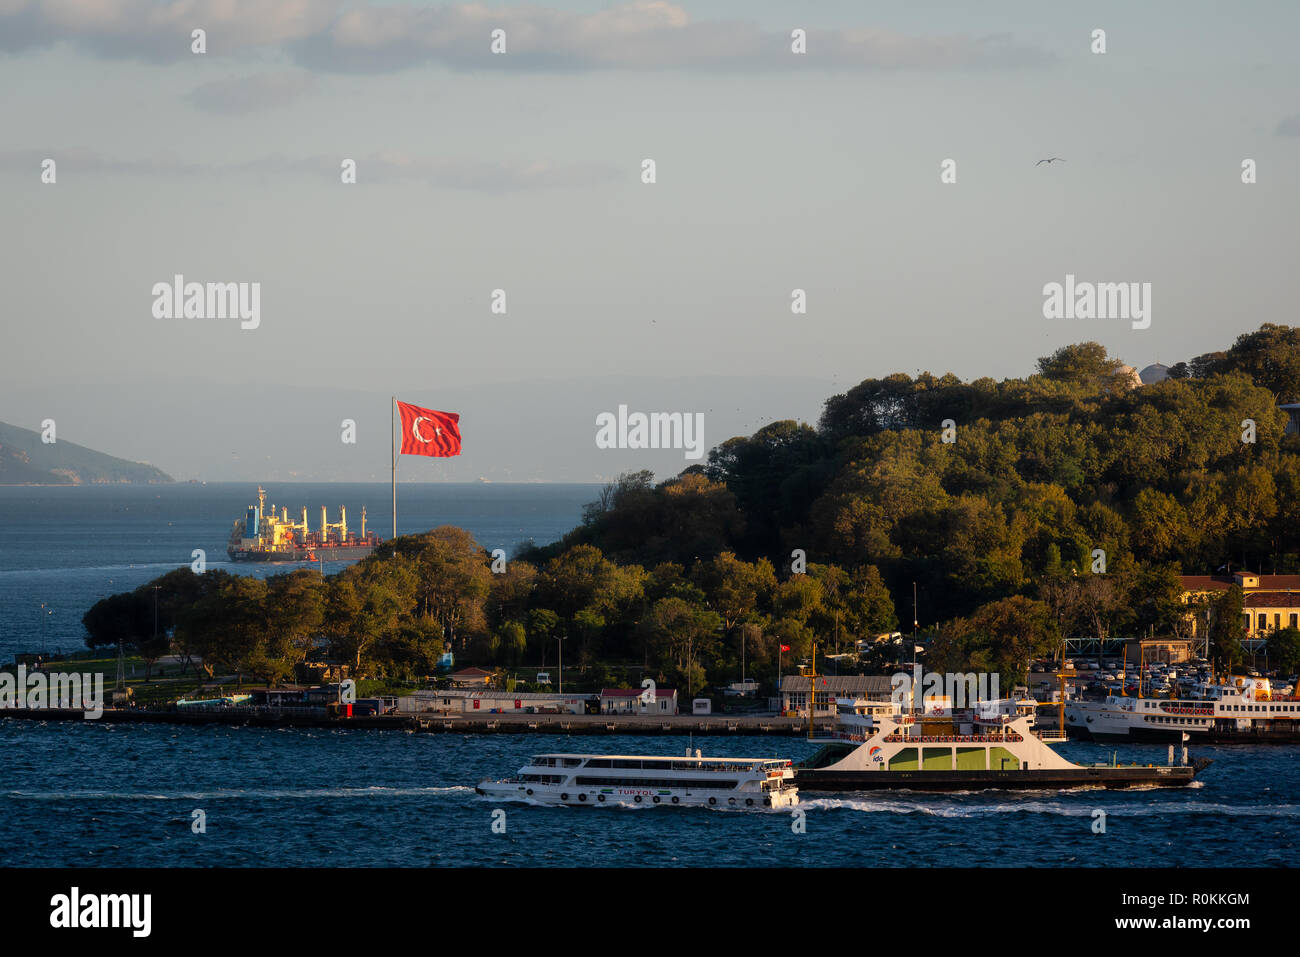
(326, 525)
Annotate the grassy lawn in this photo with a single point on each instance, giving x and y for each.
(166, 682)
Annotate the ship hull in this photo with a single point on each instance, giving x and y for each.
(1110, 777)
(327, 553)
(1162, 736)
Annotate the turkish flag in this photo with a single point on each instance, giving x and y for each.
(426, 432)
(785, 647)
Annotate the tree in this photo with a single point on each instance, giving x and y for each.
(125, 617)
(295, 614)
(1227, 628)
(684, 637)
(1002, 636)
(1284, 650)
(513, 642)
(1085, 362)
(452, 581)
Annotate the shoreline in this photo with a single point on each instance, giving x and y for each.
(453, 724)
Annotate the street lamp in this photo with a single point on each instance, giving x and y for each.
(561, 639)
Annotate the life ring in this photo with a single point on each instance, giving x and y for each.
(529, 791)
(582, 797)
(749, 802)
(655, 799)
(676, 799)
(713, 800)
(767, 802)
(564, 796)
(600, 797)
(731, 800)
(637, 799)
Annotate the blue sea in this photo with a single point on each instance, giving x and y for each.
(69, 546)
(82, 794)
(100, 795)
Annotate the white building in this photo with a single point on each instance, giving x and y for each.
(465, 701)
(629, 701)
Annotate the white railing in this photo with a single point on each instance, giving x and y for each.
(1052, 735)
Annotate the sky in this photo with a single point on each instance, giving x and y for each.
(522, 171)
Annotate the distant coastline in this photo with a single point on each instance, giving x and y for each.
(42, 459)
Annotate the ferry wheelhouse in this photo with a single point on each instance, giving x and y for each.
(626, 779)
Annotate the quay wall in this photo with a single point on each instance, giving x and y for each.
(453, 724)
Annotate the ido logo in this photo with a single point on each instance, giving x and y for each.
(877, 756)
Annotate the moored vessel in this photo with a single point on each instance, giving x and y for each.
(1238, 710)
(264, 536)
(624, 779)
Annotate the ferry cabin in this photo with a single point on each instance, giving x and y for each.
(591, 779)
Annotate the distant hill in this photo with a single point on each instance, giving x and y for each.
(26, 460)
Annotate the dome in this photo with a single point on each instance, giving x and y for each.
(1154, 373)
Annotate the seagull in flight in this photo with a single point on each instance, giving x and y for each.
(1054, 159)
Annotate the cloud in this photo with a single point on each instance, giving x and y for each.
(160, 32)
(250, 93)
(1289, 126)
(489, 176)
(326, 36)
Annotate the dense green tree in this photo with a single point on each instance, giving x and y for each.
(1284, 650)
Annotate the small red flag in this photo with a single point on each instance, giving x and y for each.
(785, 647)
(426, 432)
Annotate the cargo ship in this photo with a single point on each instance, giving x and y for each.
(264, 536)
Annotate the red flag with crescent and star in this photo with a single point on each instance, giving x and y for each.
(427, 432)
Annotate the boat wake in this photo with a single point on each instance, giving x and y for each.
(1119, 809)
(221, 794)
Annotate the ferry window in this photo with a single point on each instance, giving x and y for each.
(1263, 620)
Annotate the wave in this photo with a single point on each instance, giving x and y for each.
(1118, 809)
(140, 566)
(223, 794)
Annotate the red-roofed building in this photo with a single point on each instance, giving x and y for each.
(638, 701)
(470, 678)
(1269, 602)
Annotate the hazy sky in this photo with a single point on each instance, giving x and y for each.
(522, 172)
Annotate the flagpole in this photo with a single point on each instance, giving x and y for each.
(392, 435)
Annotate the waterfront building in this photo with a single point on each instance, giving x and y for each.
(1269, 602)
(471, 678)
(867, 688)
(629, 701)
(490, 701)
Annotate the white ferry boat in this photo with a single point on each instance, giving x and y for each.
(629, 779)
(1243, 709)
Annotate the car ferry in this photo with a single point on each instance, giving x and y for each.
(628, 779)
(945, 750)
